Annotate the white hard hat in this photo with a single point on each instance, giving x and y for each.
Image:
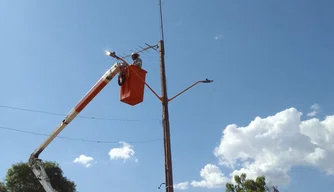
(135, 53)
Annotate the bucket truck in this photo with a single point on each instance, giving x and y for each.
(34, 162)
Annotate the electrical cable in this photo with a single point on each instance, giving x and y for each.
(83, 117)
(76, 139)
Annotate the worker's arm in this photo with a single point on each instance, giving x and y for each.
(126, 63)
(113, 54)
(138, 62)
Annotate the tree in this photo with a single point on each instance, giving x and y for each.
(2, 187)
(249, 185)
(20, 178)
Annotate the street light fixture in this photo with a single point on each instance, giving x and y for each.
(207, 81)
(111, 54)
(202, 81)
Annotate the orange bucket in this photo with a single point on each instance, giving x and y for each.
(132, 91)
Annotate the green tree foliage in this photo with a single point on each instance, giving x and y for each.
(249, 185)
(20, 178)
(2, 187)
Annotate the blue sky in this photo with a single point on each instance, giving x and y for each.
(268, 59)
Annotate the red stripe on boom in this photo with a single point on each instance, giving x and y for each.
(90, 95)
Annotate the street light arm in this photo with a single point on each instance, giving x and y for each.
(113, 54)
(202, 81)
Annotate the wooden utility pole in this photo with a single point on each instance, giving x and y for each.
(165, 122)
(165, 113)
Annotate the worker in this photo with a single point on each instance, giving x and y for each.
(136, 60)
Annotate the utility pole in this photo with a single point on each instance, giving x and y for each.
(165, 122)
(165, 113)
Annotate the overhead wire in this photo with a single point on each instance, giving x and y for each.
(76, 139)
(79, 116)
(69, 138)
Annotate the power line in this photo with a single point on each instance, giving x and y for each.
(76, 139)
(83, 117)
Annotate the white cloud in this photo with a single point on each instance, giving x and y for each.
(271, 146)
(124, 152)
(217, 37)
(84, 160)
(182, 186)
(315, 110)
(212, 177)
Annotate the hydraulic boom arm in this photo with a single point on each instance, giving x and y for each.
(34, 162)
